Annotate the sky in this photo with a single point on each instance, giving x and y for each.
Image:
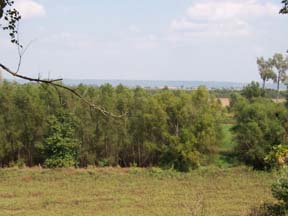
(193, 40)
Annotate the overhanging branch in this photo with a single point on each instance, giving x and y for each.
(54, 82)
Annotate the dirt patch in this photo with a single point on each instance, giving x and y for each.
(225, 102)
(27, 178)
(281, 100)
(7, 196)
(36, 194)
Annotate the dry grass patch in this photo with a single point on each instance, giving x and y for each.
(116, 191)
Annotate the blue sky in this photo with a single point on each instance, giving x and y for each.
(205, 40)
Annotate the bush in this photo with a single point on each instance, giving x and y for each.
(278, 157)
(280, 192)
(253, 90)
(268, 209)
(260, 126)
(60, 146)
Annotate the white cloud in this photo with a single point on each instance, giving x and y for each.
(134, 29)
(223, 17)
(30, 9)
(223, 28)
(187, 25)
(223, 9)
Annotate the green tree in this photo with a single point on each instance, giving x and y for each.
(260, 125)
(281, 65)
(60, 146)
(252, 90)
(10, 145)
(177, 129)
(31, 114)
(265, 70)
(193, 129)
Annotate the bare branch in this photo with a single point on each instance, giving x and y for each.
(21, 49)
(55, 82)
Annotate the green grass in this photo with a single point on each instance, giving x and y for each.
(116, 191)
(228, 143)
(224, 157)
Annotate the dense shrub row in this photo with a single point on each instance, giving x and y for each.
(43, 125)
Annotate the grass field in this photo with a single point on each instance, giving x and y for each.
(134, 191)
(116, 191)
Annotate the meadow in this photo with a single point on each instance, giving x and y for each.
(224, 189)
(132, 191)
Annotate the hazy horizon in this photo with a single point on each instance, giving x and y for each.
(186, 84)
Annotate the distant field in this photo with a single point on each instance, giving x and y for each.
(280, 100)
(115, 191)
(225, 102)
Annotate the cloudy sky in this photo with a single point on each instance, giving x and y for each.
(208, 40)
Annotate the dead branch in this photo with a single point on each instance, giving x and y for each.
(55, 82)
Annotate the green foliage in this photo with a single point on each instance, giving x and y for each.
(252, 90)
(280, 63)
(278, 156)
(266, 70)
(60, 147)
(178, 129)
(191, 145)
(103, 163)
(280, 192)
(260, 125)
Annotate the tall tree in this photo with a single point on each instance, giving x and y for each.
(266, 70)
(281, 64)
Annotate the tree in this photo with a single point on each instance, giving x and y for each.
(60, 146)
(29, 111)
(252, 90)
(284, 10)
(281, 65)
(266, 70)
(260, 126)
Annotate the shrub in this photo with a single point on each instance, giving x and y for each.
(280, 192)
(278, 157)
(60, 146)
(252, 90)
(260, 126)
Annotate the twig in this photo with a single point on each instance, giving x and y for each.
(21, 50)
